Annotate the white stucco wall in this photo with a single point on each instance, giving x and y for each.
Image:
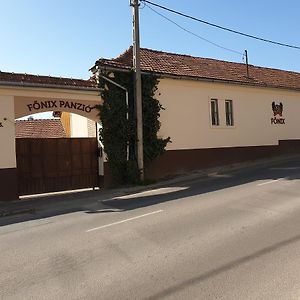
(187, 116)
(82, 127)
(7, 132)
(79, 127)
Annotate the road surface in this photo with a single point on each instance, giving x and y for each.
(231, 236)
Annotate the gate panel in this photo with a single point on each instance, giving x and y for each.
(52, 165)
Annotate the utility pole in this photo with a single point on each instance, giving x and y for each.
(247, 65)
(138, 87)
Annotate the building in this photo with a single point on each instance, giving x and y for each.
(37, 165)
(78, 126)
(215, 112)
(40, 128)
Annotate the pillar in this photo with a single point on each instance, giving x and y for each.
(8, 166)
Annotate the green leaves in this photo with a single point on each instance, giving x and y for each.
(117, 132)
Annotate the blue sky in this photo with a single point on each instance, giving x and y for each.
(65, 38)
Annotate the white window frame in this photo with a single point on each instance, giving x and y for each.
(214, 115)
(229, 118)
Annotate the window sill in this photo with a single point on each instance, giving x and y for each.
(222, 127)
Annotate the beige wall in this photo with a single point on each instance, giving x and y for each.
(78, 126)
(16, 102)
(66, 122)
(187, 116)
(29, 101)
(81, 126)
(91, 128)
(25, 106)
(7, 132)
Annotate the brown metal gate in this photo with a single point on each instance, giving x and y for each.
(51, 165)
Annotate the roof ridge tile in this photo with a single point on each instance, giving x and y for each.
(24, 78)
(184, 65)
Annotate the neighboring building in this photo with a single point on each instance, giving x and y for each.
(65, 125)
(214, 112)
(78, 126)
(42, 128)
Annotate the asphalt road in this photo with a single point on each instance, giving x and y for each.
(232, 236)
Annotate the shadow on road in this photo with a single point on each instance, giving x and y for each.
(212, 183)
(90, 202)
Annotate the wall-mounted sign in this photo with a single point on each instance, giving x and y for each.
(56, 104)
(277, 113)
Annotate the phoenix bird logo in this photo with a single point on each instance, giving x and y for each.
(277, 109)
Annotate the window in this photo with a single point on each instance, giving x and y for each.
(214, 112)
(229, 112)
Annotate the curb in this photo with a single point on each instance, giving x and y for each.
(110, 195)
(7, 213)
(204, 174)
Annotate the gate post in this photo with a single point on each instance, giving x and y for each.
(8, 166)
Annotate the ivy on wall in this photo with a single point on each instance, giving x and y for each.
(117, 132)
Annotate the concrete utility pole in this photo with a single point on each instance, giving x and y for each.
(138, 87)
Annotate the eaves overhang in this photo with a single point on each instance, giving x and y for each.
(195, 78)
(52, 86)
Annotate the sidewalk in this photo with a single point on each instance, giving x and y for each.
(65, 200)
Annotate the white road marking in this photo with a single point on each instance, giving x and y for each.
(126, 220)
(285, 168)
(218, 175)
(271, 181)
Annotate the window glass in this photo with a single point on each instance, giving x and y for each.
(214, 112)
(229, 112)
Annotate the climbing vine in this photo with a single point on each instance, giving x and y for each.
(119, 132)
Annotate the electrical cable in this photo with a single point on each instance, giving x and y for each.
(192, 33)
(221, 27)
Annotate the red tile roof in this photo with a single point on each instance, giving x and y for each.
(29, 79)
(164, 63)
(43, 128)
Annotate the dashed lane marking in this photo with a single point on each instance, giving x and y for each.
(126, 220)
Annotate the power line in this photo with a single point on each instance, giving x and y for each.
(192, 33)
(221, 27)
